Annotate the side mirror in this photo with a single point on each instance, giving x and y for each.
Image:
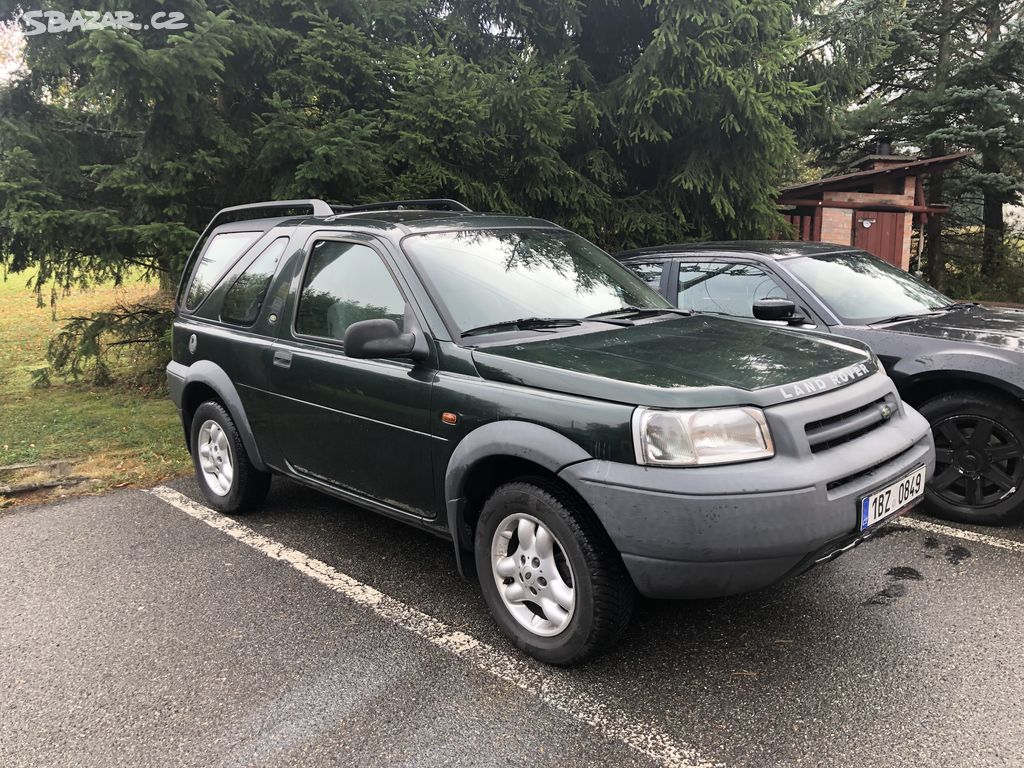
(777, 309)
(369, 339)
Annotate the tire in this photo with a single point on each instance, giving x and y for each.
(979, 449)
(579, 557)
(228, 480)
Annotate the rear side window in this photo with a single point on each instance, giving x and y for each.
(345, 283)
(244, 299)
(649, 273)
(220, 253)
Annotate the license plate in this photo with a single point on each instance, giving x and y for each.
(892, 499)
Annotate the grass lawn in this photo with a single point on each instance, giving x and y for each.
(114, 436)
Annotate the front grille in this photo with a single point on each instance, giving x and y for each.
(840, 482)
(834, 431)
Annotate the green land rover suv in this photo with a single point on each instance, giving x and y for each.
(504, 383)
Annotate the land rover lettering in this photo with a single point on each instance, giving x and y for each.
(822, 383)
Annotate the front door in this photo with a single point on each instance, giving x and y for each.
(359, 426)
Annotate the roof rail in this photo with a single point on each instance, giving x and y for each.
(320, 208)
(441, 203)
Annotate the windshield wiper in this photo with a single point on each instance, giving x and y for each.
(524, 324)
(959, 305)
(641, 311)
(535, 323)
(901, 318)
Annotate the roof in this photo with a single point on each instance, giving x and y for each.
(878, 158)
(406, 216)
(772, 249)
(406, 221)
(436, 220)
(857, 179)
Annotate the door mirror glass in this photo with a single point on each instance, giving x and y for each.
(368, 339)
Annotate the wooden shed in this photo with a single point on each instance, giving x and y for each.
(874, 208)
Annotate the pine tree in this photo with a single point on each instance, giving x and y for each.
(950, 84)
(109, 145)
(630, 121)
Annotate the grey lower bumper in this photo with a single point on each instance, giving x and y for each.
(714, 531)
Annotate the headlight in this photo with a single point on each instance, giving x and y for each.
(708, 436)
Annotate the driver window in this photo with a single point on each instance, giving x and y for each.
(345, 283)
(729, 289)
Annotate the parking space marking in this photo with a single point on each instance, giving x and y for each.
(555, 688)
(960, 533)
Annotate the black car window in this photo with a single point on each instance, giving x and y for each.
(649, 272)
(245, 297)
(345, 283)
(220, 254)
(730, 289)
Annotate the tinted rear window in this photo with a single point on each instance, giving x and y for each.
(220, 253)
(244, 299)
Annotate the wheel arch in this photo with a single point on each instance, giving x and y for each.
(922, 387)
(490, 456)
(204, 380)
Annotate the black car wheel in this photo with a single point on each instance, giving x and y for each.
(979, 458)
(552, 580)
(226, 477)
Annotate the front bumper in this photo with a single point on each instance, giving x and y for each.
(714, 531)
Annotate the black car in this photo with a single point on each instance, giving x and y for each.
(960, 364)
(503, 383)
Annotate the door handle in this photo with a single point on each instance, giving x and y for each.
(282, 358)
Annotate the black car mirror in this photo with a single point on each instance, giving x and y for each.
(777, 309)
(370, 339)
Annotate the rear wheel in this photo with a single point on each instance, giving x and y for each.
(226, 477)
(979, 458)
(552, 579)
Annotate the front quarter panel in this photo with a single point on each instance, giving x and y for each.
(910, 360)
(499, 419)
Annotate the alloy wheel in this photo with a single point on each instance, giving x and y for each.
(533, 575)
(978, 461)
(215, 458)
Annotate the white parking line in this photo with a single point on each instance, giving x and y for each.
(555, 689)
(960, 533)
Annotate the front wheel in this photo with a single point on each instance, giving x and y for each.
(979, 458)
(551, 578)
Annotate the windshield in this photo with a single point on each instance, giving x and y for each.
(486, 277)
(862, 289)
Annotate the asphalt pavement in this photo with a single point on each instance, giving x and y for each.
(134, 631)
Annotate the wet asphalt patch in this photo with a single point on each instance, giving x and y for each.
(955, 554)
(133, 634)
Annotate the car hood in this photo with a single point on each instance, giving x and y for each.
(698, 361)
(996, 327)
